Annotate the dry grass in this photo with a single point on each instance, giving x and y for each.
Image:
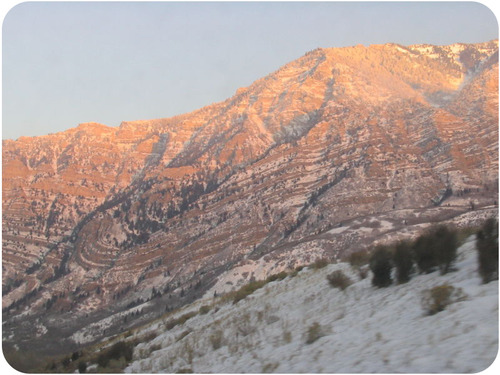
(314, 332)
(338, 279)
(438, 298)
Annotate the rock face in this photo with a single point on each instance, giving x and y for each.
(329, 153)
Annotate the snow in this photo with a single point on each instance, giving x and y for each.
(337, 230)
(363, 329)
(403, 50)
(457, 48)
(40, 329)
(90, 332)
(262, 268)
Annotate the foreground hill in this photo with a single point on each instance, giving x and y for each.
(302, 324)
(335, 150)
(297, 322)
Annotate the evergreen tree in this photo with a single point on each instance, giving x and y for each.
(381, 266)
(487, 248)
(403, 261)
(436, 249)
(424, 255)
(445, 243)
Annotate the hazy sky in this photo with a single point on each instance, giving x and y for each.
(68, 63)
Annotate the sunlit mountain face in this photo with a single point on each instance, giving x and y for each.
(334, 151)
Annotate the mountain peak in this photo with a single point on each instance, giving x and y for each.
(94, 128)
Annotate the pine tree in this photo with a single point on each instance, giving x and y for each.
(487, 248)
(445, 243)
(424, 254)
(403, 261)
(381, 266)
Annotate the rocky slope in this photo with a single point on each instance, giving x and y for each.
(335, 150)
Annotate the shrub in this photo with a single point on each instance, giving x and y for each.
(102, 360)
(156, 347)
(381, 266)
(277, 276)
(247, 289)
(293, 273)
(186, 370)
(180, 320)
(82, 367)
(487, 248)
(403, 261)
(119, 350)
(319, 263)
(204, 310)
(66, 361)
(269, 368)
(363, 272)
(359, 258)
(150, 336)
(287, 337)
(438, 298)
(216, 339)
(338, 279)
(75, 356)
(314, 332)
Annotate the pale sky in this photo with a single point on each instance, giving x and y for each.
(66, 63)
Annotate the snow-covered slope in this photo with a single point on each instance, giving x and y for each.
(362, 329)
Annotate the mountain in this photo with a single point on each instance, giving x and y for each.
(335, 151)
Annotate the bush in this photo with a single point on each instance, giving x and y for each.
(82, 367)
(314, 332)
(381, 266)
(363, 272)
(185, 371)
(247, 289)
(359, 258)
(180, 320)
(438, 298)
(66, 361)
(487, 248)
(204, 310)
(119, 350)
(319, 263)
(277, 276)
(403, 261)
(338, 279)
(216, 339)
